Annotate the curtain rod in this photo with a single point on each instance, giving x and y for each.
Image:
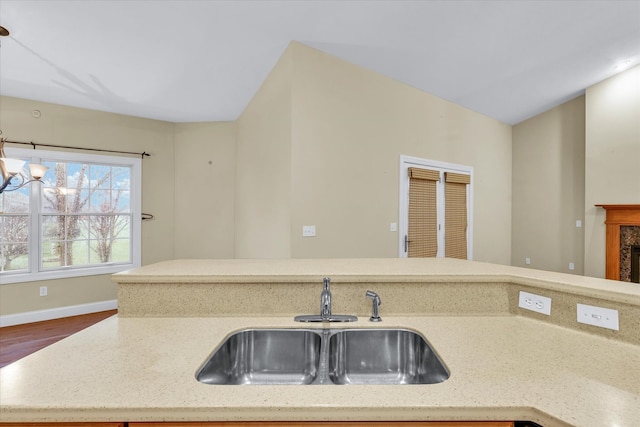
(36, 144)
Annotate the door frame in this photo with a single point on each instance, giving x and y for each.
(403, 217)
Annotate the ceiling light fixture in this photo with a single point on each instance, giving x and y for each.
(623, 65)
(14, 168)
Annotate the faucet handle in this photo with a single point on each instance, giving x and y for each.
(326, 282)
(375, 315)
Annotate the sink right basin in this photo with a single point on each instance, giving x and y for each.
(383, 356)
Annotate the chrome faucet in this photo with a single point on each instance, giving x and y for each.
(325, 299)
(325, 308)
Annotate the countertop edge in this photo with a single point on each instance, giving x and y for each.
(230, 414)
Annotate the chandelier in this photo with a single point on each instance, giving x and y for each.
(14, 175)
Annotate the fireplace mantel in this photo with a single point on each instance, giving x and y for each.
(617, 216)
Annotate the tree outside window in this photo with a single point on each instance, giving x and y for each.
(86, 215)
(14, 230)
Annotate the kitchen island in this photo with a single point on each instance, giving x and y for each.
(506, 363)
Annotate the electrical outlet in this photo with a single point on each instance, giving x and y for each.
(393, 226)
(527, 260)
(572, 266)
(43, 291)
(598, 316)
(534, 302)
(308, 231)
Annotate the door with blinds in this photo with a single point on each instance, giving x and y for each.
(435, 209)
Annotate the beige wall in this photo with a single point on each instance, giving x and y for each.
(263, 169)
(205, 163)
(548, 189)
(565, 161)
(93, 129)
(319, 144)
(350, 126)
(612, 167)
(316, 128)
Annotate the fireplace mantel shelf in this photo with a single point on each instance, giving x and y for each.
(617, 216)
(625, 207)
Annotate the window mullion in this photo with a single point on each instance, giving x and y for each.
(35, 229)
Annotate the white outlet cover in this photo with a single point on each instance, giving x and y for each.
(534, 302)
(308, 231)
(598, 316)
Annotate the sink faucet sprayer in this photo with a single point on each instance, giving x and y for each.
(375, 315)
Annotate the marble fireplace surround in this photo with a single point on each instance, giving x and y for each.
(623, 231)
(629, 239)
(635, 263)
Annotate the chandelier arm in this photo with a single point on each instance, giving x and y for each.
(5, 184)
(22, 183)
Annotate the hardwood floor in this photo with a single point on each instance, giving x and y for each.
(19, 341)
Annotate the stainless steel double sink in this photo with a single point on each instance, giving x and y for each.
(323, 356)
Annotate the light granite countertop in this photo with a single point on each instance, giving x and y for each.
(502, 367)
(367, 270)
(505, 364)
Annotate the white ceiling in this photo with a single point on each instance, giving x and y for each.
(203, 60)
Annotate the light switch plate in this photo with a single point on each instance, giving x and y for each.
(534, 302)
(598, 316)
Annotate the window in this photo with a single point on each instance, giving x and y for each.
(435, 209)
(84, 219)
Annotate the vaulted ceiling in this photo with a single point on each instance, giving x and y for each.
(203, 60)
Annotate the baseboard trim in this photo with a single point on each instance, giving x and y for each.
(56, 313)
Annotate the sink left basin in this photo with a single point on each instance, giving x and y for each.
(264, 356)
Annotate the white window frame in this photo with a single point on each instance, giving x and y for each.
(407, 162)
(34, 273)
